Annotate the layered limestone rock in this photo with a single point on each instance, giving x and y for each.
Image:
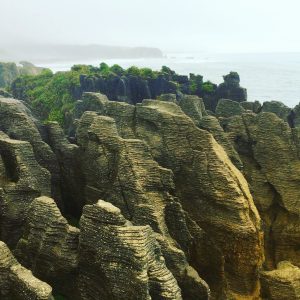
(21, 180)
(128, 177)
(212, 191)
(231, 88)
(71, 175)
(130, 89)
(282, 283)
(18, 283)
(187, 209)
(212, 125)
(278, 108)
(18, 123)
(269, 149)
(193, 107)
(253, 106)
(210, 188)
(126, 259)
(227, 108)
(49, 246)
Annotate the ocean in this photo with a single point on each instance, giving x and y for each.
(267, 76)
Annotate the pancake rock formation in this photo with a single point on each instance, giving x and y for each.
(158, 200)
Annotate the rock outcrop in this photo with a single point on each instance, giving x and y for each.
(18, 123)
(177, 220)
(202, 172)
(278, 108)
(21, 180)
(227, 108)
(126, 259)
(231, 89)
(282, 283)
(269, 150)
(129, 178)
(49, 246)
(18, 283)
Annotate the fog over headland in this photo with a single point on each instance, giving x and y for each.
(191, 25)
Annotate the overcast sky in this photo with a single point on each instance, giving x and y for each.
(208, 25)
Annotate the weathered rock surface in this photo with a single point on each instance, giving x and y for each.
(212, 125)
(202, 172)
(126, 259)
(18, 283)
(129, 178)
(231, 89)
(199, 159)
(71, 175)
(49, 246)
(282, 283)
(278, 108)
(130, 89)
(227, 108)
(21, 180)
(253, 106)
(269, 149)
(18, 123)
(179, 221)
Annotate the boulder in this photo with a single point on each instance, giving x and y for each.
(282, 283)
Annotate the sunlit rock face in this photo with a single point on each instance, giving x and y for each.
(211, 190)
(159, 200)
(18, 283)
(269, 149)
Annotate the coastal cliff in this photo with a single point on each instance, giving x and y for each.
(178, 197)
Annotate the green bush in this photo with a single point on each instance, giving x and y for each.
(207, 87)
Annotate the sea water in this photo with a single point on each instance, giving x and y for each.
(267, 76)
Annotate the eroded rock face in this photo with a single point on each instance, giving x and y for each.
(278, 108)
(269, 149)
(49, 246)
(21, 180)
(126, 259)
(71, 175)
(198, 165)
(18, 123)
(227, 108)
(231, 89)
(210, 188)
(282, 283)
(179, 219)
(130, 89)
(18, 283)
(129, 178)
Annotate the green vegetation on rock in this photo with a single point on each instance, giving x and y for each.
(48, 94)
(10, 71)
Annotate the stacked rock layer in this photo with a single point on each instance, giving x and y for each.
(158, 200)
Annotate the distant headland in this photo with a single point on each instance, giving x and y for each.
(61, 52)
